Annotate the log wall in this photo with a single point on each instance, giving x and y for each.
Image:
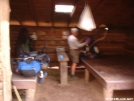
(129, 49)
(52, 37)
(114, 42)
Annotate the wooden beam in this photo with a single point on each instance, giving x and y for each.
(117, 12)
(5, 92)
(32, 10)
(16, 14)
(71, 15)
(100, 4)
(98, 8)
(75, 5)
(16, 17)
(52, 11)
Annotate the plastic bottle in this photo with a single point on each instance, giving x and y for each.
(41, 74)
(42, 77)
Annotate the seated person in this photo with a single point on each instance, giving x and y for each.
(22, 45)
(29, 62)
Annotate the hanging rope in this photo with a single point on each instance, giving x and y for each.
(86, 2)
(99, 38)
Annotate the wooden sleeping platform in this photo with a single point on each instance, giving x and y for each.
(113, 72)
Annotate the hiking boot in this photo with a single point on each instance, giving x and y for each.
(74, 77)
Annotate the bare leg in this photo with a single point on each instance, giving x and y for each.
(73, 68)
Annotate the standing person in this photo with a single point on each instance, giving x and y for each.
(74, 45)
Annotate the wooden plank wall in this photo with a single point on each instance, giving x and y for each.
(114, 43)
(52, 37)
(129, 44)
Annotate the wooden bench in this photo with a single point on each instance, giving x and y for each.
(28, 83)
(114, 73)
(63, 66)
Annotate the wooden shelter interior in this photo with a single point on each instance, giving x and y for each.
(39, 16)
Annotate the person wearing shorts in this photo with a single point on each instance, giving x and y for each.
(74, 46)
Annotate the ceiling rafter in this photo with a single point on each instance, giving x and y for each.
(111, 18)
(98, 6)
(17, 18)
(52, 11)
(42, 13)
(16, 15)
(71, 15)
(32, 10)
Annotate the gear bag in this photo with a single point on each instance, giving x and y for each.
(29, 69)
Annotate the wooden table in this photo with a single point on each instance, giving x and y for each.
(113, 72)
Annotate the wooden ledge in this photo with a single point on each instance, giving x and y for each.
(22, 82)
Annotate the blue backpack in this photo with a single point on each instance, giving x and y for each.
(29, 69)
(32, 65)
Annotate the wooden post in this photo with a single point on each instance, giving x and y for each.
(30, 94)
(87, 75)
(5, 49)
(108, 94)
(63, 73)
(63, 66)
